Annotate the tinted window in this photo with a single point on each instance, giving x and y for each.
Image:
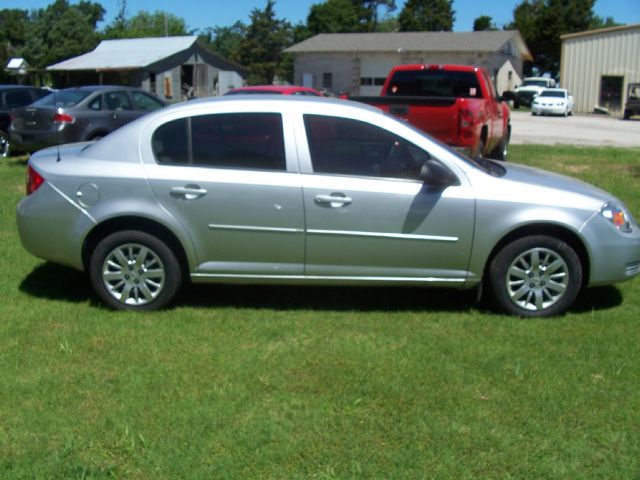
(117, 101)
(145, 102)
(351, 147)
(96, 103)
(435, 83)
(236, 140)
(17, 98)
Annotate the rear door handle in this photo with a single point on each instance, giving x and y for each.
(188, 192)
(334, 200)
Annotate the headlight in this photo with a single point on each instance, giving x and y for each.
(617, 216)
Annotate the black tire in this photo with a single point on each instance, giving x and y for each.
(502, 150)
(535, 276)
(480, 149)
(132, 270)
(5, 144)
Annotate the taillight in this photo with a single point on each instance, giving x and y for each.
(34, 180)
(466, 123)
(63, 118)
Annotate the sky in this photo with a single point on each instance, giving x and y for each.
(201, 14)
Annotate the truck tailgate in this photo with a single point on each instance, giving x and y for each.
(437, 116)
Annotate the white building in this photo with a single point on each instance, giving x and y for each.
(597, 66)
(358, 63)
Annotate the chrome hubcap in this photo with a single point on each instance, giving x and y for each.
(537, 279)
(133, 274)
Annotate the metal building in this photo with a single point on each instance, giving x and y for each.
(174, 68)
(598, 65)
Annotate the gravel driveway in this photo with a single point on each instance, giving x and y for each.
(584, 130)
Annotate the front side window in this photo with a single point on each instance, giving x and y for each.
(144, 101)
(247, 141)
(350, 147)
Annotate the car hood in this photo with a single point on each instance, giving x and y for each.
(522, 184)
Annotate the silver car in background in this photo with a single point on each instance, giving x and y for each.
(259, 189)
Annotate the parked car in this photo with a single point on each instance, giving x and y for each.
(553, 101)
(457, 104)
(294, 190)
(276, 90)
(632, 106)
(78, 114)
(12, 97)
(531, 87)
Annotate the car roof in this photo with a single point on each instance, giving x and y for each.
(284, 89)
(19, 87)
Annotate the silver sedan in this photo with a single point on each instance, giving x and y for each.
(553, 101)
(315, 191)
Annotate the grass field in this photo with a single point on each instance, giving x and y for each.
(317, 383)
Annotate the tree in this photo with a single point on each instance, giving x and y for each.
(227, 41)
(542, 22)
(261, 49)
(369, 9)
(482, 23)
(427, 15)
(335, 16)
(13, 35)
(62, 31)
(145, 24)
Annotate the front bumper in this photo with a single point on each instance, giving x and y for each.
(548, 109)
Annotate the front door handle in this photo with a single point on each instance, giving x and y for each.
(188, 192)
(334, 200)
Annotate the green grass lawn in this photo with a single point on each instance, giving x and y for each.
(317, 383)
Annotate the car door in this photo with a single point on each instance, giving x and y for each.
(370, 217)
(225, 178)
(120, 108)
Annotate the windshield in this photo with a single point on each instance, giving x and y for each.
(434, 83)
(535, 83)
(553, 93)
(63, 98)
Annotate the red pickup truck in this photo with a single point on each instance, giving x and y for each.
(456, 104)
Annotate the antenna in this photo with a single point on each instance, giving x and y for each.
(55, 111)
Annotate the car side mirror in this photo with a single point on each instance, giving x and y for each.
(436, 174)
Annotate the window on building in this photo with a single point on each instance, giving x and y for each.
(327, 81)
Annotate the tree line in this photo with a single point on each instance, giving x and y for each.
(63, 30)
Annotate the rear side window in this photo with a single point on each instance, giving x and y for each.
(117, 101)
(248, 141)
(350, 147)
(435, 83)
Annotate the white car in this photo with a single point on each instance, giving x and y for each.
(553, 101)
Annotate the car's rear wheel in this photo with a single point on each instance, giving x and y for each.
(502, 150)
(535, 276)
(5, 144)
(132, 270)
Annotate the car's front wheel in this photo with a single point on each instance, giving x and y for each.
(535, 276)
(5, 145)
(132, 270)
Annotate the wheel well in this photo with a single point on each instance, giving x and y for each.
(139, 224)
(555, 231)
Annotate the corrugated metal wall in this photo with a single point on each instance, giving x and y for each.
(587, 58)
